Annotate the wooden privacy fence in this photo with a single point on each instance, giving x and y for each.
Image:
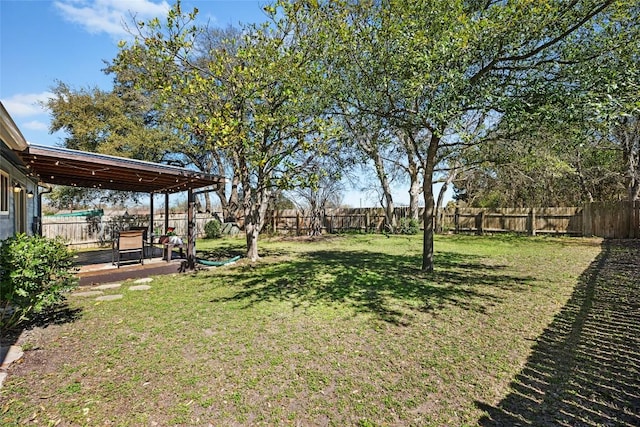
(620, 220)
(100, 230)
(293, 221)
(608, 220)
(516, 220)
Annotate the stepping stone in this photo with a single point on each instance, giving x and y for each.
(87, 293)
(139, 288)
(8, 355)
(108, 286)
(109, 297)
(145, 280)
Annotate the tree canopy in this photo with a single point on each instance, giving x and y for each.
(516, 102)
(442, 74)
(247, 98)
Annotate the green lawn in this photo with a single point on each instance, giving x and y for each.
(341, 331)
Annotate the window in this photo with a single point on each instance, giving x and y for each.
(4, 193)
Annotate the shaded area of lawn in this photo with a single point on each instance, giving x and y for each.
(585, 367)
(56, 316)
(388, 286)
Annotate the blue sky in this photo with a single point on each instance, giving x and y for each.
(43, 41)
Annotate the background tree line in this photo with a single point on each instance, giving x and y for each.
(515, 103)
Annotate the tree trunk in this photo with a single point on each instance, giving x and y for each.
(207, 202)
(427, 217)
(251, 232)
(453, 172)
(255, 213)
(581, 178)
(439, 215)
(233, 204)
(389, 208)
(414, 190)
(628, 133)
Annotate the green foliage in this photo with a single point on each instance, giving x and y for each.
(119, 122)
(442, 74)
(408, 226)
(250, 98)
(35, 272)
(213, 229)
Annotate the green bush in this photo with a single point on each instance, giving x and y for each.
(35, 273)
(408, 226)
(213, 229)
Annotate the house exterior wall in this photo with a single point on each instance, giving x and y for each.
(8, 224)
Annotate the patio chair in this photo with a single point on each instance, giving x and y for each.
(128, 242)
(148, 247)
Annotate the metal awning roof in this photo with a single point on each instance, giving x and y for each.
(62, 166)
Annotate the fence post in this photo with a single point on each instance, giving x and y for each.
(297, 223)
(456, 220)
(480, 223)
(532, 222)
(275, 221)
(367, 221)
(635, 219)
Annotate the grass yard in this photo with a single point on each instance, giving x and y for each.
(340, 331)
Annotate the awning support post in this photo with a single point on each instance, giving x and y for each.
(150, 235)
(191, 230)
(166, 212)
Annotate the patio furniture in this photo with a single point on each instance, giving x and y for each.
(170, 242)
(128, 242)
(148, 247)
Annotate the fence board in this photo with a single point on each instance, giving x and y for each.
(618, 221)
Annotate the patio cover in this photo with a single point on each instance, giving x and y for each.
(62, 166)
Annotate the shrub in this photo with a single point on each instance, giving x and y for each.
(408, 226)
(213, 229)
(35, 272)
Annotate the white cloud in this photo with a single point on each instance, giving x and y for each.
(35, 125)
(26, 104)
(109, 16)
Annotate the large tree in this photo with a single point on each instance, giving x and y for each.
(427, 67)
(252, 102)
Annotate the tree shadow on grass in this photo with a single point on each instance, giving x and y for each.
(231, 248)
(388, 286)
(56, 316)
(585, 368)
